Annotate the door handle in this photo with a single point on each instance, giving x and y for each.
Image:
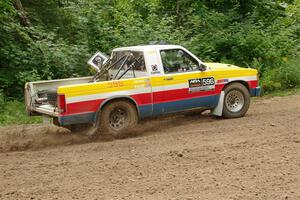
(169, 78)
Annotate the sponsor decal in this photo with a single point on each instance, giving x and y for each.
(154, 68)
(222, 81)
(201, 84)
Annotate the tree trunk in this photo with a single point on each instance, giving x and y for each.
(23, 18)
(177, 13)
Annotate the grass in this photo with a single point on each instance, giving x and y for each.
(13, 112)
(282, 93)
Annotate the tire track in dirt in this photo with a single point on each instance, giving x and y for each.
(184, 156)
(39, 136)
(25, 137)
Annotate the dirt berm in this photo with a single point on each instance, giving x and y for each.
(185, 156)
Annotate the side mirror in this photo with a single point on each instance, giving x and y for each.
(202, 67)
(97, 60)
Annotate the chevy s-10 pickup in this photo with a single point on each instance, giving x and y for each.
(138, 82)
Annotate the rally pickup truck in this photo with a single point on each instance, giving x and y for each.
(142, 81)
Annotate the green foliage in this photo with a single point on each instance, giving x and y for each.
(63, 34)
(13, 112)
(289, 74)
(263, 34)
(284, 77)
(281, 93)
(2, 102)
(29, 54)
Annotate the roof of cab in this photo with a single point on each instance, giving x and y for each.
(147, 47)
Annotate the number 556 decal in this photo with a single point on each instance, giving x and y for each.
(201, 84)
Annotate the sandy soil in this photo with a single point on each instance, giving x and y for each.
(185, 156)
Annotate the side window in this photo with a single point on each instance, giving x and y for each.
(177, 61)
(128, 65)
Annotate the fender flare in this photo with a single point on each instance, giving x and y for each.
(106, 101)
(218, 110)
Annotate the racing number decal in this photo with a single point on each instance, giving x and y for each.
(115, 84)
(201, 84)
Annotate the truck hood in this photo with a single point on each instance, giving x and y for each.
(225, 67)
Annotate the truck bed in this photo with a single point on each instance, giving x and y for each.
(37, 95)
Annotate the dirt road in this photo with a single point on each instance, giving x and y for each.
(186, 156)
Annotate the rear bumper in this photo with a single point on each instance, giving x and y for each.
(255, 92)
(77, 119)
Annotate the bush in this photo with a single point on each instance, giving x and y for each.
(1, 101)
(63, 34)
(289, 74)
(284, 77)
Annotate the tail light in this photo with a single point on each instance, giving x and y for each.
(61, 103)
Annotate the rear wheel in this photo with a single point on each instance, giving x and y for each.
(118, 117)
(236, 101)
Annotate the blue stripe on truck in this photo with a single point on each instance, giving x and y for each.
(77, 119)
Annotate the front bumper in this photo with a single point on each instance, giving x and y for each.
(255, 92)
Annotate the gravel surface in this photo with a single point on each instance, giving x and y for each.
(183, 156)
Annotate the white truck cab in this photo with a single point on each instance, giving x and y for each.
(153, 56)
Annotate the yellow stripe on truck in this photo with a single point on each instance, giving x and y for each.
(101, 87)
(130, 84)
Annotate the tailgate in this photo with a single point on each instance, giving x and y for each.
(41, 96)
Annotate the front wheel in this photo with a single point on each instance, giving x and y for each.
(118, 117)
(236, 101)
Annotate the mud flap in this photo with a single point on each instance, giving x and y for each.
(218, 110)
(47, 120)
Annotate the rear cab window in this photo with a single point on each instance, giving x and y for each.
(127, 64)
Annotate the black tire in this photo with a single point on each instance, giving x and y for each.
(117, 118)
(236, 100)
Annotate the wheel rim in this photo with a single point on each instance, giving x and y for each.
(234, 100)
(118, 118)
